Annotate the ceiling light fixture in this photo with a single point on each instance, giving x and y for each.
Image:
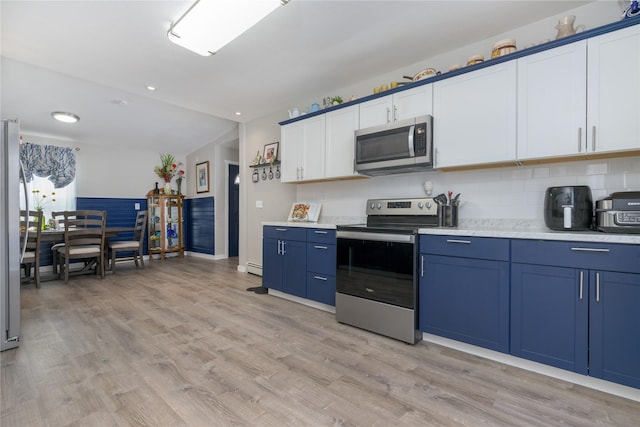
(151, 88)
(210, 24)
(61, 116)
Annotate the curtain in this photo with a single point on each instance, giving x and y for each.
(58, 164)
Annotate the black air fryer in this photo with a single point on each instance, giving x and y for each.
(568, 208)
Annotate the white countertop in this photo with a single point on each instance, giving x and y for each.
(499, 229)
(535, 233)
(300, 224)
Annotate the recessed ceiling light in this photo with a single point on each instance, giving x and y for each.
(65, 117)
(151, 88)
(238, 113)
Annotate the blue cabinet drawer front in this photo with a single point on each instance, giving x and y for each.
(321, 288)
(595, 256)
(466, 247)
(320, 235)
(288, 233)
(321, 258)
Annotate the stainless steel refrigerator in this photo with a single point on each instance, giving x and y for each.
(11, 251)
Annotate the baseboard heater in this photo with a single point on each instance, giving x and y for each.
(254, 268)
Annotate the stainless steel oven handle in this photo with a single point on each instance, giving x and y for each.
(378, 237)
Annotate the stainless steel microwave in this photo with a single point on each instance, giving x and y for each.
(402, 146)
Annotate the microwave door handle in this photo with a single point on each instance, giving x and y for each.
(412, 151)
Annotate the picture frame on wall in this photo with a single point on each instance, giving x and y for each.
(202, 177)
(270, 153)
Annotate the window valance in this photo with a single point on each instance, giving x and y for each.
(58, 164)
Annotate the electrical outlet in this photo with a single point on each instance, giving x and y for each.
(259, 204)
(136, 206)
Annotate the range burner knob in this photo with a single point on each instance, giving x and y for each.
(373, 205)
(379, 206)
(428, 205)
(420, 205)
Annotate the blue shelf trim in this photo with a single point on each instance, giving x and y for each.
(200, 225)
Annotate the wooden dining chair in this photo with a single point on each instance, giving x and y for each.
(58, 218)
(135, 246)
(83, 240)
(31, 229)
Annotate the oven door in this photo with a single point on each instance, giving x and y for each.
(377, 266)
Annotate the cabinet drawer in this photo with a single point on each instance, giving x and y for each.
(321, 288)
(595, 256)
(288, 233)
(321, 258)
(321, 235)
(466, 247)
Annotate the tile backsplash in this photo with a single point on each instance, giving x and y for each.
(511, 193)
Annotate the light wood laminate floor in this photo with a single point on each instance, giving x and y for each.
(182, 343)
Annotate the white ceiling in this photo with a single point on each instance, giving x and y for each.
(95, 59)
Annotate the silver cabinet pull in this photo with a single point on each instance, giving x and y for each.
(320, 247)
(579, 140)
(466, 242)
(593, 138)
(395, 113)
(281, 229)
(324, 279)
(388, 115)
(590, 249)
(320, 232)
(284, 252)
(421, 265)
(279, 242)
(597, 287)
(581, 283)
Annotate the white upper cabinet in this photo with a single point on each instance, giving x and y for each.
(552, 102)
(303, 150)
(474, 117)
(613, 89)
(402, 105)
(340, 127)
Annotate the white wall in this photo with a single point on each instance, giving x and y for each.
(110, 172)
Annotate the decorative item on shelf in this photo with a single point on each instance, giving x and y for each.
(180, 176)
(255, 176)
(278, 172)
(632, 10)
(156, 190)
(503, 47)
(167, 170)
(256, 159)
(294, 113)
(336, 100)
(475, 59)
(565, 27)
(270, 152)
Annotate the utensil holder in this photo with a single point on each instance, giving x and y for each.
(448, 216)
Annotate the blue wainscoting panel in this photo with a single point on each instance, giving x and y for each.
(120, 212)
(200, 225)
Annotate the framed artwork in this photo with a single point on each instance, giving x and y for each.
(202, 177)
(270, 153)
(305, 211)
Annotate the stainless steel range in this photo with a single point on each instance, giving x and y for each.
(376, 281)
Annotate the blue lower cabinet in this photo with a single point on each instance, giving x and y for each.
(465, 299)
(321, 288)
(300, 261)
(614, 327)
(550, 315)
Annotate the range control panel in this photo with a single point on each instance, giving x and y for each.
(423, 206)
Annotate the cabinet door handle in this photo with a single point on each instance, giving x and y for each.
(421, 265)
(395, 113)
(579, 140)
(324, 279)
(388, 115)
(284, 252)
(278, 247)
(581, 284)
(281, 229)
(593, 138)
(590, 249)
(466, 242)
(597, 287)
(320, 247)
(320, 232)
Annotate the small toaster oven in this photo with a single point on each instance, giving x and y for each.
(619, 213)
